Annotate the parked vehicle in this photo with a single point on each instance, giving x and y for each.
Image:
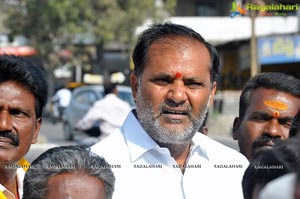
(82, 100)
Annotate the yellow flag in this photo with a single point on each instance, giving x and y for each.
(24, 164)
(2, 196)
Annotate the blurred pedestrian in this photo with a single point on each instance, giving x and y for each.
(61, 100)
(23, 94)
(159, 151)
(268, 104)
(109, 112)
(69, 172)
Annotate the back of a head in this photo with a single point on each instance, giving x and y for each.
(31, 77)
(160, 32)
(288, 185)
(259, 172)
(280, 188)
(270, 80)
(62, 160)
(270, 164)
(109, 87)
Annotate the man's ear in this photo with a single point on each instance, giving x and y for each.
(36, 130)
(213, 92)
(235, 128)
(133, 84)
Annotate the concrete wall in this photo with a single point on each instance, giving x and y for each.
(220, 124)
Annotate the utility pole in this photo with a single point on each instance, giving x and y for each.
(254, 66)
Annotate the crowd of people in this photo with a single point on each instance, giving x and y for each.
(155, 150)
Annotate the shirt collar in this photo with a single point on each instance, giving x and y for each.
(2, 188)
(197, 146)
(138, 141)
(20, 177)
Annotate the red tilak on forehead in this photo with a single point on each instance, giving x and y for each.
(178, 75)
(276, 114)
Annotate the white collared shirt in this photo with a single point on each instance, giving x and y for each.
(20, 177)
(145, 170)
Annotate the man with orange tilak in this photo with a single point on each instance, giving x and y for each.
(23, 94)
(268, 104)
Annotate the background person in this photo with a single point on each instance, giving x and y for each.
(286, 186)
(69, 172)
(268, 165)
(268, 104)
(110, 112)
(23, 94)
(60, 101)
(158, 147)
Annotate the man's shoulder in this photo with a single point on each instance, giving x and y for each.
(218, 151)
(211, 143)
(115, 137)
(122, 102)
(111, 146)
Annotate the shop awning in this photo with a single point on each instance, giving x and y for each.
(18, 50)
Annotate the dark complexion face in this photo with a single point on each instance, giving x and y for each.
(19, 126)
(263, 124)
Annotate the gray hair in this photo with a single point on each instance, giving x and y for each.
(65, 159)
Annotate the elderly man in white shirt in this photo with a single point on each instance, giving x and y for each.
(143, 169)
(157, 153)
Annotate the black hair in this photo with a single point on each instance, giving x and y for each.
(109, 87)
(295, 125)
(270, 164)
(158, 32)
(271, 80)
(25, 73)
